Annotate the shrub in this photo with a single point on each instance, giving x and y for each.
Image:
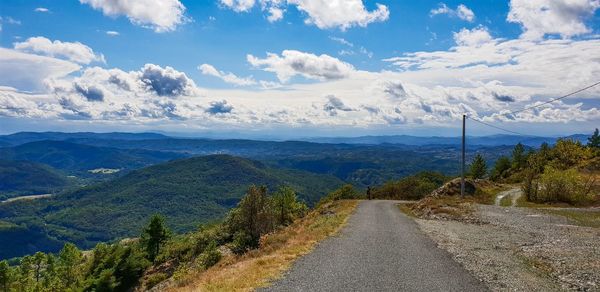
(411, 187)
(155, 279)
(346, 192)
(501, 168)
(211, 256)
(562, 186)
(286, 206)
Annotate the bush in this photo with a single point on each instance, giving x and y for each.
(155, 279)
(410, 188)
(562, 186)
(211, 256)
(346, 192)
(501, 168)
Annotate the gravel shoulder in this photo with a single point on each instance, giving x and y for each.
(522, 249)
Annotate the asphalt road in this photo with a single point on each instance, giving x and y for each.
(380, 249)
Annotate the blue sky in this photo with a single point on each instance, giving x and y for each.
(358, 67)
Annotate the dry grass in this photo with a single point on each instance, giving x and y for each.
(277, 252)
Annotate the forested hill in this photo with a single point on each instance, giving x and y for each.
(188, 192)
(27, 178)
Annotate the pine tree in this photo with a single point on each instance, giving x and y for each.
(154, 235)
(518, 156)
(478, 167)
(5, 275)
(69, 265)
(594, 140)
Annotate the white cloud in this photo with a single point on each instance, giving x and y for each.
(28, 71)
(463, 12)
(228, 77)
(292, 63)
(238, 5)
(341, 41)
(330, 14)
(41, 9)
(322, 13)
(112, 33)
(76, 52)
(159, 15)
(474, 37)
(542, 17)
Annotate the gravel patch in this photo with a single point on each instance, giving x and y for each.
(521, 249)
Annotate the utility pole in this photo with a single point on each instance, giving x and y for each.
(462, 175)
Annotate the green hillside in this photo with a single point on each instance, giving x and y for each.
(79, 159)
(188, 192)
(26, 178)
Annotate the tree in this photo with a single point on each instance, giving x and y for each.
(154, 235)
(5, 275)
(502, 165)
(69, 265)
(252, 218)
(594, 140)
(518, 156)
(478, 167)
(287, 207)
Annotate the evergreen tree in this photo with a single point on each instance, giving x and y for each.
(594, 140)
(286, 205)
(478, 167)
(69, 265)
(502, 165)
(518, 156)
(5, 275)
(154, 235)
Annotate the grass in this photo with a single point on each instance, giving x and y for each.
(277, 252)
(506, 201)
(406, 208)
(580, 217)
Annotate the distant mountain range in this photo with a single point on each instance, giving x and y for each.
(494, 140)
(90, 137)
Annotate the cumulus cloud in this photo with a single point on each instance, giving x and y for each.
(91, 93)
(159, 15)
(291, 63)
(324, 14)
(463, 12)
(219, 107)
(228, 77)
(563, 17)
(73, 51)
(334, 104)
(28, 71)
(473, 37)
(238, 5)
(166, 81)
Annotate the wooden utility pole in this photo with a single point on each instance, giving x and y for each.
(462, 175)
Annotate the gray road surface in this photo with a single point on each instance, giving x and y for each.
(380, 249)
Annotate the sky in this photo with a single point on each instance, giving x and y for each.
(299, 68)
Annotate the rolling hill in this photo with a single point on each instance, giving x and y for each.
(79, 159)
(26, 178)
(188, 192)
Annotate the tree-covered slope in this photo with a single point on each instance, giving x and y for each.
(77, 158)
(188, 192)
(26, 178)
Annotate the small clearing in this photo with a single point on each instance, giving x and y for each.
(29, 197)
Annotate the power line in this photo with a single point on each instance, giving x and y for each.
(496, 127)
(553, 100)
(531, 107)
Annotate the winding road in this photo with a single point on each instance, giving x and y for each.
(380, 249)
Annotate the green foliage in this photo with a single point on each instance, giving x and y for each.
(568, 153)
(501, 168)
(5, 275)
(563, 186)
(27, 178)
(478, 167)
(519, 157)
(252, 218)
(345, 192)
(211, 255)
(594, 140)
(188, 192)
(154, 235)
(410, 188)
(286, 206)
